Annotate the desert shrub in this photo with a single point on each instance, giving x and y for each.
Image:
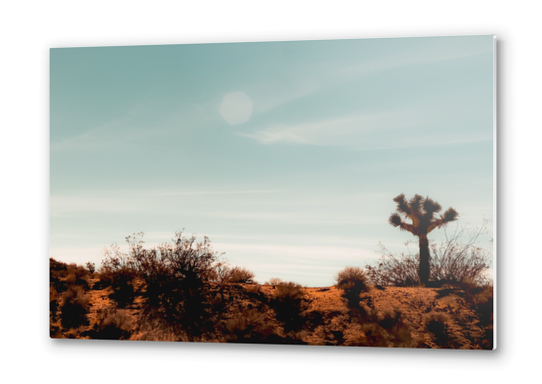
(222, 273)
(175, 275)
(438, 324)
(367, 334)
(398, 331)
(57, 271)
(54, 304)
(57, 268)
(353, 281)
(483, 305)
(289, 303)
(454, 261)
(451, 262)
(112, 325)
(350, 273)
(219, 272)
(240, 275)
(74, 308)
(273, 281)
(395, 271)
(250, 326)
(480, 299)
(119, 272)
(91, 267)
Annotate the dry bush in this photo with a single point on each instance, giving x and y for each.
(454, 261)
(273, 281)
(112, 325)
(54, 304)
(250, 326)
(350, 273)
(367, 335)
(77, 275)
(394, 271)
(480, 299)
(352, 278)
(118, 271)
(353, 281)
(438, 324)
(451, 262)
(91, 267)
(240, 275)
(289, 303)
(74, 308)
(222, 273)
(398, 331)
(57, 275)
(176, 292)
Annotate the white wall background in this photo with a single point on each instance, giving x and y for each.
(29, 28)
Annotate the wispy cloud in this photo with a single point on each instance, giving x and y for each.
(333, 254)
(337, 131)
(136, 126)
(298, 217)
(429, 53)
(131, 200)
(374, 130)
(270, 96)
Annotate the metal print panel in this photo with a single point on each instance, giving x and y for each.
(331, 193)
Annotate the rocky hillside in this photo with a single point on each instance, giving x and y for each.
(85, 306)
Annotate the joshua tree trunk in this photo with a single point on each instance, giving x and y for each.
(421, 212)
(424, 259)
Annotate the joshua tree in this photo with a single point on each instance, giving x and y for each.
(421, 212)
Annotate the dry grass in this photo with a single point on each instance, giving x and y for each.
(458, 316)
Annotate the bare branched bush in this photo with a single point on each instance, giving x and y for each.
(395, 271)
(91, 267)
(452, 261)
(119, 270)
(175, 276)
(273, 281)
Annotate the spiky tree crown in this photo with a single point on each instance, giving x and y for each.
(421, 211)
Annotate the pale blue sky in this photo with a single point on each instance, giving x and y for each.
(286, 154)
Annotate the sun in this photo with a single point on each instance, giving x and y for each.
(236, 108)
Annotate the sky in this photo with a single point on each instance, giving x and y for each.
(287, 155)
